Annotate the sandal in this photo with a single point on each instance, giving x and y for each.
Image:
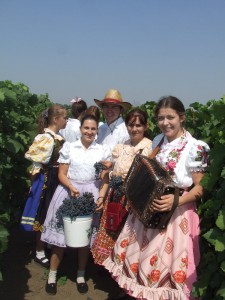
(44, 262)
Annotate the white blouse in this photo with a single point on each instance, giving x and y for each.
(182, 157)
(113, 134)
(81, 160)
(71, 132)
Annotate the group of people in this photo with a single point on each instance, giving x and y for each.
(146, 263)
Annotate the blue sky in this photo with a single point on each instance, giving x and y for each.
(144, 48)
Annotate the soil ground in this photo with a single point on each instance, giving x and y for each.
(23, 279)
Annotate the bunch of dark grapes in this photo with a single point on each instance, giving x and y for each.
(74, 207)
(116, 183)
(99, 167)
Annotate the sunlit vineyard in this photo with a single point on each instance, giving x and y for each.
(18, 124)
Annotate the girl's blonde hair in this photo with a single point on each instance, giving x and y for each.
(46, 117)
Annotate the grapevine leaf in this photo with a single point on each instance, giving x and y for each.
(221, 290)
(217, 160)
(62, 280)
(4, 218)
(216, 238)
(220, 222)
(2, 96)
(14, 146)
(220, 245)
(223, 173)
(222, 266)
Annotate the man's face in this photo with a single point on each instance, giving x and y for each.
(111, 112)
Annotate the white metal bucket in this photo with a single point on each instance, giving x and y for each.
(77, 232)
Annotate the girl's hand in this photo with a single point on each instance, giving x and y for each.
(99, 203)
(73, 191)
(124, 176)
(107, 164)
(163, 204)
(32, 177)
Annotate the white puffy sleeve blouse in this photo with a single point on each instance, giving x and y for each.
(81, 160)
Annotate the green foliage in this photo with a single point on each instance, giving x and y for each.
(149, 107)
(210, 126)
(18, 125)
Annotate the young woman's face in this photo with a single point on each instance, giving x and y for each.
(88, 131)
(136, 130)
(61, 120)
(170, 123)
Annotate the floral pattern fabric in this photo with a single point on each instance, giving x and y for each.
(40, 152)
(161, 265)
(123, 156)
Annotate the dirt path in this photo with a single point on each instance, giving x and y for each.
(25, 280)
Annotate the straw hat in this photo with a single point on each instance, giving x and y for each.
(113, 97)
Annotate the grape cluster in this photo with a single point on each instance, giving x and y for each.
(116, 183)
(74, 207)
(99, 167)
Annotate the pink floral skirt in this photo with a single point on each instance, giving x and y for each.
(158, 265)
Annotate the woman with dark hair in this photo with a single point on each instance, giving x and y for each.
(123, 154)
(44, 153)
(71, 133)
(161, 264)
(95, 111)
(76, 176)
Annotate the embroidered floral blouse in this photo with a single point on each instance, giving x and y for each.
(40, 151)
(182, 156)
(123, 155)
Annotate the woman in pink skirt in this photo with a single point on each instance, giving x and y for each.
(161, 264)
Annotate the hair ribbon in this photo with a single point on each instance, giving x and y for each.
(76, 100)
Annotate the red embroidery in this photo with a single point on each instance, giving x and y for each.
(134, 267)
(179, 276)
(124, 243)
(153, 260)
(155, 275)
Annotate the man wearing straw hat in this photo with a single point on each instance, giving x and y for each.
(114, 131)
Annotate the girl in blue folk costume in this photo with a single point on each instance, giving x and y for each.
(43, 153)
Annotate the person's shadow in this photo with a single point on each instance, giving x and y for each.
(14, 271)
(101, 278)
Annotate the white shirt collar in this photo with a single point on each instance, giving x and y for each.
(116, 123)
(79, 144)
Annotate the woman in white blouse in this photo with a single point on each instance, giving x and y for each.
(71, 132)
(76, 175)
